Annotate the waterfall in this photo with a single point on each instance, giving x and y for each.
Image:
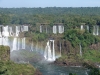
(41, 29)
(97, 28)
(53, 50)
(80, 50)
(32, 46)
(0, 35)
(4, 41)
(94, 29)
(87, 28)
(49, 53)
(61, 29)
(17, 31)
(55, 29)
(5, 31)
(23, 43)
(19, 43)
(14, 44)
(10, 31)
(25, 28)
(81, 27)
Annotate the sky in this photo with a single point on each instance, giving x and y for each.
(48, 3)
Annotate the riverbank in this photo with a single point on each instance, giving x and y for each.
(89, 57)
(7, 67)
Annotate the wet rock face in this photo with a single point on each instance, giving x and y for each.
(68, 63)
(4, 53)
(38, 72)
(95, 46)
(64, 45)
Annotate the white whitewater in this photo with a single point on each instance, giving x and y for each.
(49, 53)
(25, 28)
(80, 50)
(14, 44)
(10, 31)
(82, 27)
(32, 46)
(17, 31)
(55, 29)
(9, 37)
(61, 29)
(41, 29)
(97, 28)
(0, 35)
(53, 51)
(19, 44)
(5, 31)
(23, 43)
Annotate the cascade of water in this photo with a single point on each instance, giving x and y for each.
(23, 43)
(17, 31)
(19, 43)
(55, 29)
(41, 29)
(5, 31)
(87, 27)
(53, 51)
(80, 50)
(25, 28)
(60, 28)
(14, 44)
(81, 27)
(97, 30)
(49, 53)
(94, 30)
(10, 31)
(0, 35)
(5, 41)
(32, 46)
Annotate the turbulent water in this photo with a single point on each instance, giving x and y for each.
(52, 69)
(45, 67)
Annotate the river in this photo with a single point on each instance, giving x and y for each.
(53, 69)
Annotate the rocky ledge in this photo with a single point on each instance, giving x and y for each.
(68, 63)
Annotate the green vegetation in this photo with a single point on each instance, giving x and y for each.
(77, 36)
(4, 53)
(10, 68)
(92, 55)
(71, 18)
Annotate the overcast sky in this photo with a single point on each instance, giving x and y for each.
(49, 3)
